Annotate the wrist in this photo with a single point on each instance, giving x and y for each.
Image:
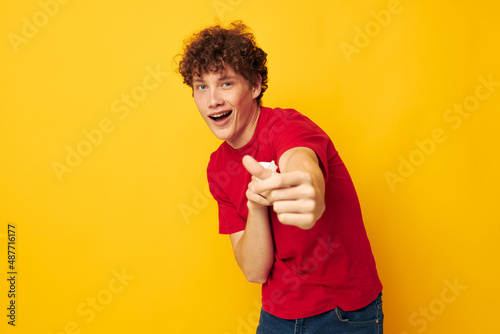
(252, 206)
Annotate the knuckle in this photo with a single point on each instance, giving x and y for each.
(281, 179)
(308, 191)
(308, 205)
(283, 218)
(305, 176)
(278, 207)
(308, 177)
(270, 195)
(308, 221)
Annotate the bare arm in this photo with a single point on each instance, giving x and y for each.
(253, 248)
(296, 194)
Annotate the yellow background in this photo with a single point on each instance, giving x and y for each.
(138, 202)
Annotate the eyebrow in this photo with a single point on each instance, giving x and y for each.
(222, 78)
(226, 77)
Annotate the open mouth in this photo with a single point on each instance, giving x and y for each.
(221, 116)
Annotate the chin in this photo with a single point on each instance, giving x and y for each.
(221, 136)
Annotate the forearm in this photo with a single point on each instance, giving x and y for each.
(254, 251)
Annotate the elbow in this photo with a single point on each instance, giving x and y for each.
(258, 276)
(256, 279)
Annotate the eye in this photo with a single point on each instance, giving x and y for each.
(227, 84)
(201, 87)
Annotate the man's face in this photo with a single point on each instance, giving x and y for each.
(228, 105)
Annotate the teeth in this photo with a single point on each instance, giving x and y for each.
(220, 115)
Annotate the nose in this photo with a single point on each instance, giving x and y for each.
(215, 98)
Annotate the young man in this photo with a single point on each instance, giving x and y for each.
(297, 231)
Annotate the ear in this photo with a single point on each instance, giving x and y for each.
(257, 86)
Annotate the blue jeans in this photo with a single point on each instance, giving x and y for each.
(367, 320)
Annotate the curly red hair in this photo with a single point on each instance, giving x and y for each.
(214, 47)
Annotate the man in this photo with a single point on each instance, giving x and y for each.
(297, 231)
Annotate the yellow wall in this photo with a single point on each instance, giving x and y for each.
(124, 239)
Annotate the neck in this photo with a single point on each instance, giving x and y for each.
(249, 131)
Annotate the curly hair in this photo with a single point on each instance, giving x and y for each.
(214, 47)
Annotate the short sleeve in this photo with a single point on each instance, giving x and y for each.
(295, 130)
(229, 219)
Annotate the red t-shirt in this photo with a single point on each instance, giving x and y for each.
(314, 270)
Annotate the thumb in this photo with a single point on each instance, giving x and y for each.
(254, 168)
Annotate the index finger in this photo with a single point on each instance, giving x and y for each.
(285, 180)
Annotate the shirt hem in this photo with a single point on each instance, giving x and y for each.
(325, 308)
